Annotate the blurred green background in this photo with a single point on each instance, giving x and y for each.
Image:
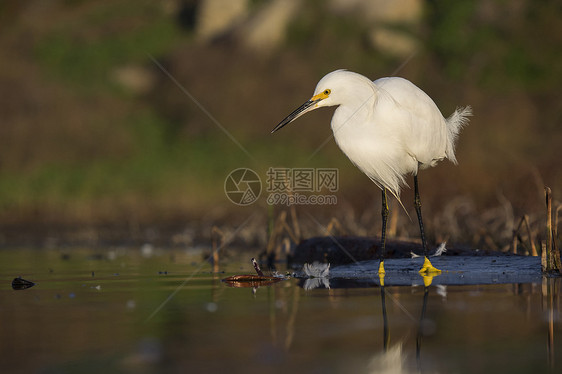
(99, 127)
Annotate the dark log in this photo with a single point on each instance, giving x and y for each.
(338, 250)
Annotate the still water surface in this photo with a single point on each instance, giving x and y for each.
(128, 311)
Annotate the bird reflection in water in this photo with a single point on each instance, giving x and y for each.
(392, 359)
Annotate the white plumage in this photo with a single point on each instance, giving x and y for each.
(388, 128)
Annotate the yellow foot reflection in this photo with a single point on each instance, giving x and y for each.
(428, 279)
(428, 268)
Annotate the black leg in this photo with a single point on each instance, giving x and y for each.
(384, 213)
(417, 204)
(427, 267)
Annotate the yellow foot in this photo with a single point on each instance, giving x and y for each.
(381, 273)
(429, 269)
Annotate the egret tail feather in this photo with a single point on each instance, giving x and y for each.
(455, 123)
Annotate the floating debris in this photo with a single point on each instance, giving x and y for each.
(251, 280)
(246, 280)
(438, 252)
(257, 267)
(317, 270)
(317, 274)
(441, 249)
(21, 284)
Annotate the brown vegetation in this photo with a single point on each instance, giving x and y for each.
(83, 152)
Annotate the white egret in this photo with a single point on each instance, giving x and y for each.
(388, 128)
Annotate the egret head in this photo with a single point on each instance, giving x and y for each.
(333, 89)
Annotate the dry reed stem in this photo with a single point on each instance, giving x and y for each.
(272, 228)
(276, 230)
(284, 248)
(556, 216)
(334, 223)
(531, 236)
(552, 256)
(543, 257)
(296, 225)
(290, 232)
(555, 247)
(275, 247)
(490, 242)
(549, 263)
(516, 236)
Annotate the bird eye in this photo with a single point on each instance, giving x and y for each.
(327, 92)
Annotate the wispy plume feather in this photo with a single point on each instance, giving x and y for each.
(316, 270)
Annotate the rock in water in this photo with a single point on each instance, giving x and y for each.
(21, 284)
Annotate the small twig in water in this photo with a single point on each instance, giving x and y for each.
(257, 267)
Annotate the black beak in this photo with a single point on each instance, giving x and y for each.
(296, 114)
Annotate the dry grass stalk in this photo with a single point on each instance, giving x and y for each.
(543, 256)
(548, 265)
(296, 225)
(515, 238)
(555, 228)
(552, 264)
(282, 225)
(276, 231)
(334, 224)
(484, 237)
(530, 235)
(274, 246)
